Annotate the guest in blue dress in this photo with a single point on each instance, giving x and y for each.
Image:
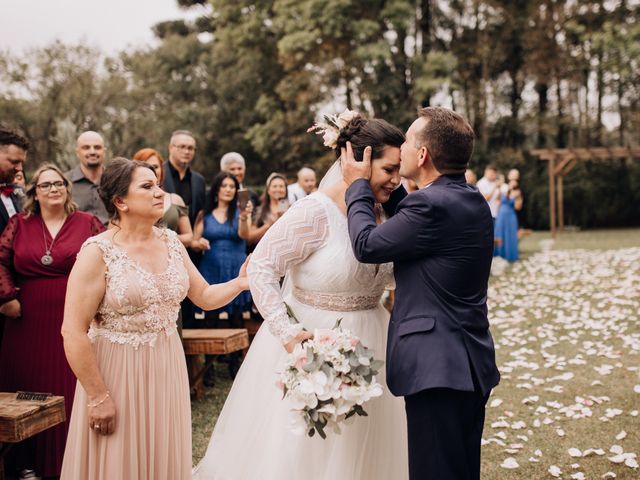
(506, 230)
(220, 232)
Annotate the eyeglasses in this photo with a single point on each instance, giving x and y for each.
(46, 186)
(188, 148)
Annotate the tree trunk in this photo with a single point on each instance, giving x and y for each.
(586, 126)
(425, 26)
(561, 135)
(542, 88)
(621, 113)
(600, 86)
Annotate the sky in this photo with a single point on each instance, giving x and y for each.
(111, 25)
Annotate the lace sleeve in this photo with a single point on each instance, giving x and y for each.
(302, 230)
(8, 289)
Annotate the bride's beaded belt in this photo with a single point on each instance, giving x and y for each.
(336, 302)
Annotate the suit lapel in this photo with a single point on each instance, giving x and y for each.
(3, 213)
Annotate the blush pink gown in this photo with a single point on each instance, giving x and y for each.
(141, 359)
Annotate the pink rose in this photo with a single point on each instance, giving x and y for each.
(301, 360)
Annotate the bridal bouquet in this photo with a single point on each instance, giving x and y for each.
(327, 380)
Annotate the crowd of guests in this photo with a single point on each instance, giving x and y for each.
(505, 200)
(45, 222)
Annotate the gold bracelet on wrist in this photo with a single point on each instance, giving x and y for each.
(96, 404)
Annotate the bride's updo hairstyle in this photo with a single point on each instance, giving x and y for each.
(115, 182)
(373, 132)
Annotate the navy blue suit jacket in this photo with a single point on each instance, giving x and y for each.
(441, 242)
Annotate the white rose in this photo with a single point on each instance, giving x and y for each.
(298, 425)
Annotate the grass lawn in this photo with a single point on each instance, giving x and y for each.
(565, 323)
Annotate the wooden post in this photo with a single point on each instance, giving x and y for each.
(552, 197)
(560, 202)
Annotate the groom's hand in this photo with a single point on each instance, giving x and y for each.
(353, 170)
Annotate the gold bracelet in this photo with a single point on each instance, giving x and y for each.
(93, 405)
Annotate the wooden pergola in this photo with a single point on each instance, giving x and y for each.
(561, 161)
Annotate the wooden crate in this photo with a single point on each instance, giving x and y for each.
(214, 341)
(21, 419)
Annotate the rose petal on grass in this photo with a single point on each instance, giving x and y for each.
(621, 436)
(555, 471)
(631, 462)
(574, 452)
(509, 463)
(620, 458)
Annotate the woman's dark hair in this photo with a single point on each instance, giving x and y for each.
(212, 197)
(115, 182)
(265, 206)
(373, 132)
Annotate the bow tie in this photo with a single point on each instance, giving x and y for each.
(6, 189)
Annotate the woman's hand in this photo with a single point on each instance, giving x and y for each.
(200, 245)
(102, 414)
(11, 309)
(246, 213)
(301, 337)
(243, 279)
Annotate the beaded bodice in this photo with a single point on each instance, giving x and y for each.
(138, 305)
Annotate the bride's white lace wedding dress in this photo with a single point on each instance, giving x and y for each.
(324, 282)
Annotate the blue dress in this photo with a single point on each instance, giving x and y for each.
(223, 260)
(507, 229)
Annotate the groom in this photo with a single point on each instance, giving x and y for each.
(440, 354)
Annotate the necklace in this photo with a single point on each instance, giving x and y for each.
(47, 259)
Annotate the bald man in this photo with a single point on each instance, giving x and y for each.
(305, 185)
(85, 177)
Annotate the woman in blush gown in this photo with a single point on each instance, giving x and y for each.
(131, 415)
(310, 245)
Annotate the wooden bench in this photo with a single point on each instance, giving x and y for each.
(21, 419)
(209, 341)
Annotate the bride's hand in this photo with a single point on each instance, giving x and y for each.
(301, 337)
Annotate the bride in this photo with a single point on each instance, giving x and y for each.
(310, 247)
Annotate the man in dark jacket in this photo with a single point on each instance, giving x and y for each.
(13, 153)
(181, 179)
(440, 353)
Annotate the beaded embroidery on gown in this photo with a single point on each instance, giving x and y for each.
(252, 438)
(141, 359)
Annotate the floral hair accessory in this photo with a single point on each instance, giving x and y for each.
(330, 129)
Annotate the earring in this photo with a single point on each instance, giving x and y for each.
(125, 208)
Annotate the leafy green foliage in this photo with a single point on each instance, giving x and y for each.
(252, 76)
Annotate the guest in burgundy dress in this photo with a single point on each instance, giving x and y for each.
(37, 250)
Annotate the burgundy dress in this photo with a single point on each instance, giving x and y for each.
(32, 355)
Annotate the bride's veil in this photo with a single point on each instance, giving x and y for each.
(333, 176)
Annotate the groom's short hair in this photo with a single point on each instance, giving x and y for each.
(448, 138)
